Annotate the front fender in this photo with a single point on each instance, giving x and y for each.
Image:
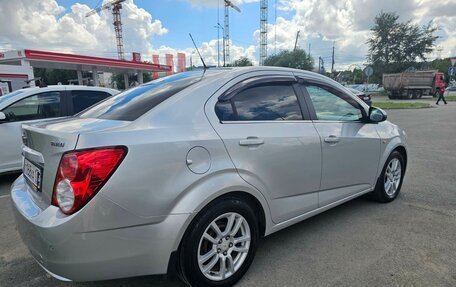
(391, 137)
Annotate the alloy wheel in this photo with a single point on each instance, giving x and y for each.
(224, 246)
(393, 176)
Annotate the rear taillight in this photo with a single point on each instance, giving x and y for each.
(81, 174)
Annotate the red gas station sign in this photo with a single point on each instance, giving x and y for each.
(136, 57)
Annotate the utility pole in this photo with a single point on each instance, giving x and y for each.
(218, 46)
(218, 27)
(296, 41)
(309, 51)
(332, 64)
(223, 43)
(321, 65)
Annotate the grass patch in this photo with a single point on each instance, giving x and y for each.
(401, 105)
(451, 98)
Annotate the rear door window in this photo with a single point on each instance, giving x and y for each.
(83, 99)
(275, 102)
(39, 106)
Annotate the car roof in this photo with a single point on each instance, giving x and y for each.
(355, 91)
(232, 72)
(67, 88)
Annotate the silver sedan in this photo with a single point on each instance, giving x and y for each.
(188, 172)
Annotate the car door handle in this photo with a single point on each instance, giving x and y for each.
(251, 141)
(332, 139)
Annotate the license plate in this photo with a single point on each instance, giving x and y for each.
(33, 174)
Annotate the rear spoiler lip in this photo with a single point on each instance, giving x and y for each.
(58, 139)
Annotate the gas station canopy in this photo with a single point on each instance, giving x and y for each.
(26, 59)
(54, 60)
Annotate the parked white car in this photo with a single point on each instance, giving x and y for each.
(36, 104)
(450, 91)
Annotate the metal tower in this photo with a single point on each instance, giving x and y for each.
(226, 30)
(115, 6)
(117, 21)
(263, 31)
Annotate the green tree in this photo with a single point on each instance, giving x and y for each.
(396, 42)
(395, 46)
(119, 79)
(297, 59)
(242, 62)
(54, 76)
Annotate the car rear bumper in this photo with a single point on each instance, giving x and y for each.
(67, 253)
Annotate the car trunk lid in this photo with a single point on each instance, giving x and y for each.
(44, 145)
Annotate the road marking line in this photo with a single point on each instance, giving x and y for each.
(4, 196)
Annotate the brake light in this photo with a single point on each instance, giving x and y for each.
(81, 174)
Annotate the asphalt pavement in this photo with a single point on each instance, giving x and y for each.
(409, 242)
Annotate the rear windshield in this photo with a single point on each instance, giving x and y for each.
(133, 103)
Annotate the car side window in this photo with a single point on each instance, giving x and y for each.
(84, 99)
(261, 103)
(331, 107)
(39, 106)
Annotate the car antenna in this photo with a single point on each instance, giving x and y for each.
(202, 60)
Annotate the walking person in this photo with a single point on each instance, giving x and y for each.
(441, 96)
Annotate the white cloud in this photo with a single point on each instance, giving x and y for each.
(44, 25)
(208, 51)
(348, 23)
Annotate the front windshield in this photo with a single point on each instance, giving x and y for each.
(10, 95)
(133, 103)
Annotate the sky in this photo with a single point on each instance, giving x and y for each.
(162, 26)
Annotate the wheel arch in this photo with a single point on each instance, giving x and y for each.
(216, 187)
(403, 151)
(394, 145)
(255, 199)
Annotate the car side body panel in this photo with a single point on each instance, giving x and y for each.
(350, 165)
(289, 179)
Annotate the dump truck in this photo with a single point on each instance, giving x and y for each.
(413, 85)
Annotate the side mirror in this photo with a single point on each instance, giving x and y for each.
(377, 115)
(2, 117)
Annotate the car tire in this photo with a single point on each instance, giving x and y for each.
(390, 180)
(227, 246)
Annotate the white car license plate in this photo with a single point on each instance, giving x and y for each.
(32, 174)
